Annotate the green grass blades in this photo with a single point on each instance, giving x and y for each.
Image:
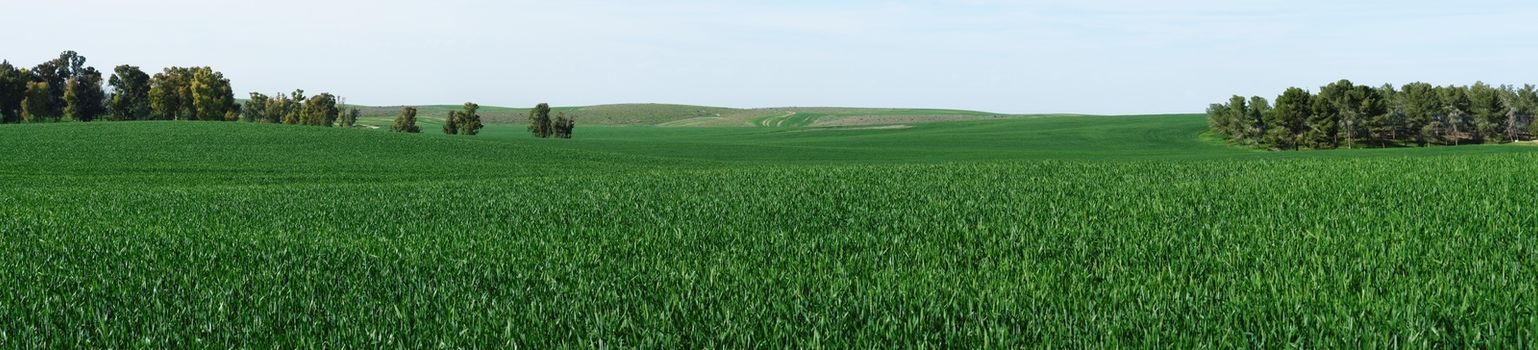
(1051, 232)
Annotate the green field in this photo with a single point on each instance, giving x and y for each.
(1065, 231)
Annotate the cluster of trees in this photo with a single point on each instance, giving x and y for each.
(61, 88)
(65, 89)
(543, 126)
(464, 122)
(190, 93)
(468, 122)
(1344, 114)
(323, 109)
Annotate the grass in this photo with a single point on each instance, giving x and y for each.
(1033, 232)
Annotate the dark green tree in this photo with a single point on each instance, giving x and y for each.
(1254, 120)
(13, 89)
(407, 121)
(293, 108)
(469, 122)
(130, 98)
(1488, 113)
(1456, 120)
(1370, 115)
(563, 125)
(1288, 121)
(451, 123)
(1228, 119)
(1218, 120)
(57, 73)
(320, 110)
(84, 99)
(1421, 106)
(539, 121)
(255, 108)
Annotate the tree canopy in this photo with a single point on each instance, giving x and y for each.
(1344, 114)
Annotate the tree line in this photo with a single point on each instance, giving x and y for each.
(1344, 114)
(323, 109)
(65, 89)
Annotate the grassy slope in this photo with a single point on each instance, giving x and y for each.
(696, 116)
(1078, 232)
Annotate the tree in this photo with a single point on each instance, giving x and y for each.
(57, 73)
(1254, 120)
(130, 98)
(349, 118)
(563, 126)
(407, 121)
(1288, 121)
(36, 106)
(1369, 108)
(1488, 113)
(1524, 107)
(170, 94)
(293, 110)
(320, 110)
(539, 121)
(1421, 106)
(275, 108)
(1328, 120)
(212, 98)
(13, 89)
(469, 121)
(1455, 120)
(83, 96)
(1346, 114)
(451, 123)
(1218, 120)
(1386, 118)
(255, 108)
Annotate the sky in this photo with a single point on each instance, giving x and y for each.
(1050, 56)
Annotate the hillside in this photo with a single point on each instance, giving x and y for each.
(698, 116)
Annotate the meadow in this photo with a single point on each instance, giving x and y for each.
(1060, 231)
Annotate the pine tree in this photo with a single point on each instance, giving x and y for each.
(1287, 122)
(1254, 120)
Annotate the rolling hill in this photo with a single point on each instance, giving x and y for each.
(672, 115)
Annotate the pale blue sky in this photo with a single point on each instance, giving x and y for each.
(1108, 57)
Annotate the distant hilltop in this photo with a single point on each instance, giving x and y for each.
(675, 115)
